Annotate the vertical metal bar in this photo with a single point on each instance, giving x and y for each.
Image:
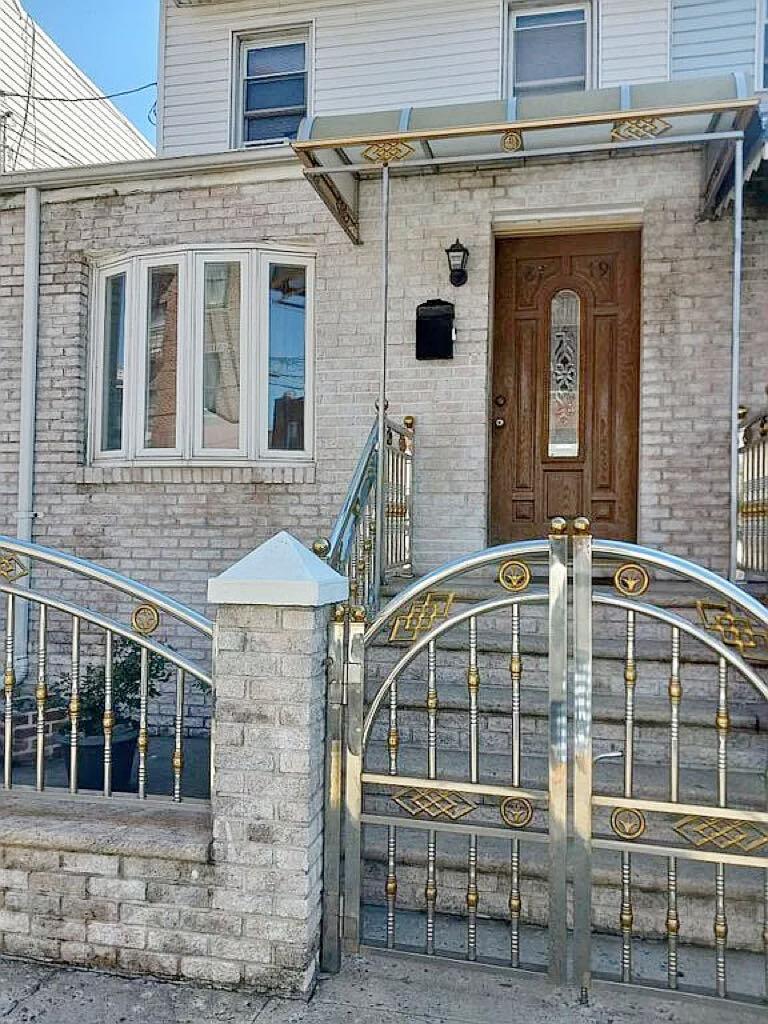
(430, 891)
(675, 697)
(582, 753)
(354, 766)
(9, 682)
(74, 704)
(722, 724)
(330, 948)
(515, 898)
(473, 686)
(41, 696)
(738, 213)
(177, 760)
(626, 916)
(382, 411)
(109, 715)
(410, 425)
(558, 749)
(143, 741)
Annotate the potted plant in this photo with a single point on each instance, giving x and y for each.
(126, 701)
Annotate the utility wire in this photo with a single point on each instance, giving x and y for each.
(76, 99)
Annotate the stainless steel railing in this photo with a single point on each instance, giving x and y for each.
(350, 549)
(752, 523)
(15, 559)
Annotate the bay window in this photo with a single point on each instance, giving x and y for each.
(202, 355)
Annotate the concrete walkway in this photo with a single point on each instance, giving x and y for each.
(377, 990)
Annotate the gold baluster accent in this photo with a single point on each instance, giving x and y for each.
(143, 740)
(9, 682)
(675, 697)
(722, 724)
(177, 761)
(515, 900)
(626, 916)
(41, 697)
(108, 722)
(430, 891)
(74, 705)
(473, 686)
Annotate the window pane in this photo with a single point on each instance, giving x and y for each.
(275, 60)
(565, 328)
(263, 129)
(162, 333)
(221, 356)
(550, 56)
(553, 18)
(113, 374)
(287, 356)
(274, 93)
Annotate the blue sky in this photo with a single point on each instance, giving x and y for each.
(113, 41)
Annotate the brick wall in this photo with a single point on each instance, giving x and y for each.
(208, 518)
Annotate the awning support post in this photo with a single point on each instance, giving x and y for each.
(379, 538)
(738, 213)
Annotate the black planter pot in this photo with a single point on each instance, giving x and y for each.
(90, 759)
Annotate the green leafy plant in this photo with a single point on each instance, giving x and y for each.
(126, 697)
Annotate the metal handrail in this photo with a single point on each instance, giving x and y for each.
(359, 488)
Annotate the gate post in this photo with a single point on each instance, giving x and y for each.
(269, 681)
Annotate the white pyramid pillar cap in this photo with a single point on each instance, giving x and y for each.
(279, 572)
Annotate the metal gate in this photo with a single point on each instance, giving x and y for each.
(470, 854)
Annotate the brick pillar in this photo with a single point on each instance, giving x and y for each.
(268, 742)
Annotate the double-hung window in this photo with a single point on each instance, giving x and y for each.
(762, 47)
(273, 87)
(549, 50)
(203, 355)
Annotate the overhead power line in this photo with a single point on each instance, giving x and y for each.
(76, 99)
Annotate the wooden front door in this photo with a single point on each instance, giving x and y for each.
(565, 399)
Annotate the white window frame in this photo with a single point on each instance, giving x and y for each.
(516, 9)
(254, 354)
(265, 38)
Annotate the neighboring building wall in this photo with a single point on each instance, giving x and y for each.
(634, 41)
(713, 37)
(55, 134)
(754, 353)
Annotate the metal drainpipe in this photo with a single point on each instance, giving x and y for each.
(738, 213)
(380, 465)
(29, 336)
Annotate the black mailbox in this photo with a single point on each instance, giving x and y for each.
(435, 330)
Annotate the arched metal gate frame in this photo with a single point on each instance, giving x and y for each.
(564, 819)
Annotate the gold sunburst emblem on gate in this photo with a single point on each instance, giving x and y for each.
(516, 811)
(631, 580)
(514, 576)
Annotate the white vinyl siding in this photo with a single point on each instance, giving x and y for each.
(368, 55)
(713, 37)
(634, 41)
(56, 134)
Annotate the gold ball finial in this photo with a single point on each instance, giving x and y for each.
(321, 547)
(581, 525)
(409, 422)
(358, 614)
(559, 525)
(743, 410)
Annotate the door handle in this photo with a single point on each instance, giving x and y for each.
(499, 422)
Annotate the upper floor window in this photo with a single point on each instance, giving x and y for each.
(549, 50)
(201, 355)
(272, 87)
(763, 48)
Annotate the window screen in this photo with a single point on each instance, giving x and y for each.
(549, 52)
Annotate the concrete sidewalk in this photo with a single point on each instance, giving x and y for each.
(375, 990)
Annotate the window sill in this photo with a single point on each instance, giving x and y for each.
(196, 473)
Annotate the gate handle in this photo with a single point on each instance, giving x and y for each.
(612, 755)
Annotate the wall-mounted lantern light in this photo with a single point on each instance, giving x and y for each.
(458, 257)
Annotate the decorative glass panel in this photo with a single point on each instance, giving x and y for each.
(287, 356)
(221, 356)
(565, 330)
(113, 375)
(162, 358)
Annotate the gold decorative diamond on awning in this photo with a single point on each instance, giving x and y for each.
(723, 833)
(387, 152)
(421, 615)
(11, 568)
(632, 128)
(433, 803)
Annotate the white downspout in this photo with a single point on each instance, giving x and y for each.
(738, 218)
(29, 337)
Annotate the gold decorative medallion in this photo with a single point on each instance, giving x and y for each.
(421, 616)
(631, 580)
(722, 833)
(433, 803)
(11, 568)
(145, 619)
(733, 627)
(630, 129)
(516, 811)
(512, 141)
(514, 576)
(627, 823)
(387, 151)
